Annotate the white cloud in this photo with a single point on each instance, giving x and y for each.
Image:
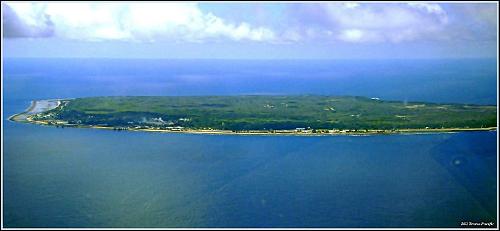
(351, 5)
(388, 22)
(307, 22)
(429, 7)
(352, 35)
(373, 22)
(133, 21)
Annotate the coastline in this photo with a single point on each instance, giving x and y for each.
(269, 133)
(30, 108)
(39, 106)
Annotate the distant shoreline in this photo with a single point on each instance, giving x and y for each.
(45, 105)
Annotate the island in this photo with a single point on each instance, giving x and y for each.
(260, 114)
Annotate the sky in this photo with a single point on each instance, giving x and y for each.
(258, 30)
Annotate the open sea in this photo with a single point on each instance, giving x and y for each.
(74, 177)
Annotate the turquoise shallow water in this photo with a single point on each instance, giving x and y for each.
(55, 177)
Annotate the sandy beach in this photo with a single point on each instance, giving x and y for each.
(267, 133)
(37, 106)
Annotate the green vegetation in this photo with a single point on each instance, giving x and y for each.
(240, 113)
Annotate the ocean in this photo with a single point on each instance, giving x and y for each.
(73, 177)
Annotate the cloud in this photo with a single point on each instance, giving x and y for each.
(124, 21)
(39, 25)
(474, 22)
(349, 22)
(371, 22)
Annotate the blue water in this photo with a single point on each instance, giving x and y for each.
(55, 177)
(459, 81)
